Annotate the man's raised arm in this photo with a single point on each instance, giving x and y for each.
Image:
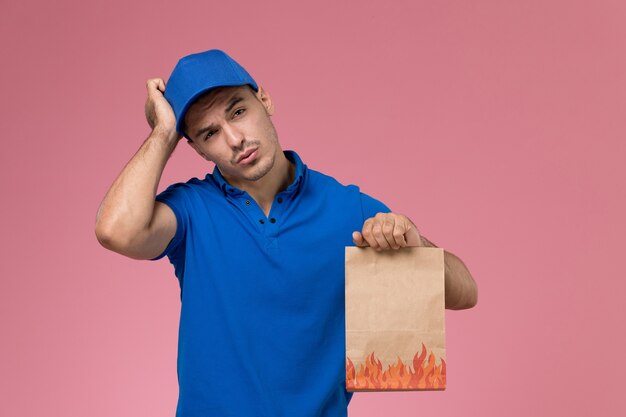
(129, 220)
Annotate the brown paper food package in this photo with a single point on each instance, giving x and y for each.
(395, 319)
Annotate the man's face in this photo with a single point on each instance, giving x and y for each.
(228, 122)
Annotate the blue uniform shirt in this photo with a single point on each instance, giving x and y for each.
(262, 324)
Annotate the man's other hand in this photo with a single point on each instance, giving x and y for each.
(388, 231)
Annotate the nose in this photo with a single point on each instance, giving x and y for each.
(233, 136)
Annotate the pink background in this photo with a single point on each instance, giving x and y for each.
(497, 126)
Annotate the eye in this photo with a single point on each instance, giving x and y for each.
(211, 132)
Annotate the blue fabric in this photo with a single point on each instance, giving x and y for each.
(262, 325)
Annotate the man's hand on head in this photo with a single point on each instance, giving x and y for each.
(388, 231)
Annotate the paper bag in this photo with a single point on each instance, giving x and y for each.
(395, 330)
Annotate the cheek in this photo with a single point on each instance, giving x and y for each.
(268, 130)
(260, 124)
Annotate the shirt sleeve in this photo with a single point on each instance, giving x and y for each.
(175, 198)
(371, 206)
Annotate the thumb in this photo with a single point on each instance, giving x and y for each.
(357, 237)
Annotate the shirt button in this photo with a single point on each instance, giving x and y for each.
(273, 220)
(247, 202)
(262, 221)
(280, 199)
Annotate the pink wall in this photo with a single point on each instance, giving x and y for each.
(497, 126)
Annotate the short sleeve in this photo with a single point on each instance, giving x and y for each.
(175, 197)
(371, 206)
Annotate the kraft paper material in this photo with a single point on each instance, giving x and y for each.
(395, 319)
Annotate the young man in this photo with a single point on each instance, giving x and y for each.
(257, 246)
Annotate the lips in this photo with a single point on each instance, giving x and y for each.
(246, 154)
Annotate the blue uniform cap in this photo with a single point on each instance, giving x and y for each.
(198, 73)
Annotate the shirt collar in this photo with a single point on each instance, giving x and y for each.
(291, 155)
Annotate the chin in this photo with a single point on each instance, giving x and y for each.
(262, 169)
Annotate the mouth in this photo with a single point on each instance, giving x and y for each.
(247, 156)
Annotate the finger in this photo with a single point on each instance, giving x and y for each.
(357, 238)
(389, 225)
(153, 85)
(419, 237)
(412, 235)
(377, 232)
(398, 234)
(367, 233)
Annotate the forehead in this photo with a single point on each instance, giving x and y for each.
(207, 101)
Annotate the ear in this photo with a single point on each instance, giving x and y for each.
(266, 100)
(197, 149)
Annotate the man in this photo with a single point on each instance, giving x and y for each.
(257, 246)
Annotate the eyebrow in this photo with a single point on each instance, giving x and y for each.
(234, 100)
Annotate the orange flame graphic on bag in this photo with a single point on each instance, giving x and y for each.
(423, 376)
